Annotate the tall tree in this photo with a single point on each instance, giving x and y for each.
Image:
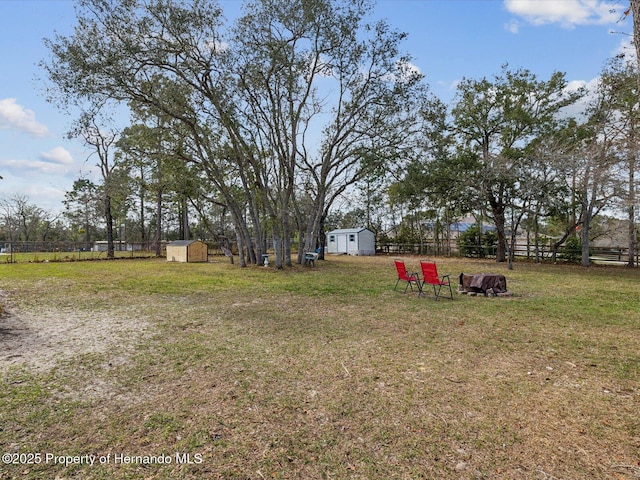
(151, 149)
(634, 9)
(620, 89)
(598, 160)
(167, 56)
(290, 57)
(245, 103)
(82, 209)
(498, 119)
(102, 142)
(550, 198)
(376, 118)
(585, 158)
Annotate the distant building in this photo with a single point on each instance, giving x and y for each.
(101, 246)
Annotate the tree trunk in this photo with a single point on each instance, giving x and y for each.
(512, 246)
(632, 237)
(536, 236)
(186, 232)
(286, 235)
(143, 230)
(276, 238)
(243, 237)
(159, 223)
(635, 9)
(108, 216)
(315, 227)
(497, 210)
(322, 239)
(631, 199)
(584, 233)
(585, 242)
(241, 257)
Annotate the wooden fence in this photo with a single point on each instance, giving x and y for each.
(610, 255)
(11, 252)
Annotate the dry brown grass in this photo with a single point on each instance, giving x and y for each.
(329, 373)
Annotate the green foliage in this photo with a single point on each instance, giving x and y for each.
(241, 99)
(471, 245)
(572, 250)
(500, 118)
(407, 234)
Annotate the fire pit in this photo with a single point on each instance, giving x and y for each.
(487, 284)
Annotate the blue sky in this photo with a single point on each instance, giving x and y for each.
(448, 40)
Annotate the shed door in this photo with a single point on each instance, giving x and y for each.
(342, 243)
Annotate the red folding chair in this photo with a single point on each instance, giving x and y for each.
(410, 278)
(430, 277)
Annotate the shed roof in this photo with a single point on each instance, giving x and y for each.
(349, 230)
(181, 243)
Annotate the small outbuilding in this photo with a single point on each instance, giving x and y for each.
(187, 251)
(351, 241)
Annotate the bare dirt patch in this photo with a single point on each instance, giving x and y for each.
(40, 338)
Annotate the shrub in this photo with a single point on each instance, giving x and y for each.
(572, 250)
(469, 243)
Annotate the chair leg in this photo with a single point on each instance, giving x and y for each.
(409, 285)
(450, 291)
(437, 290)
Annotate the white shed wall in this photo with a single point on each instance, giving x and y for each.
(351, 242)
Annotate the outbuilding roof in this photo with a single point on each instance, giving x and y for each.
(181, 243)
(348, 230)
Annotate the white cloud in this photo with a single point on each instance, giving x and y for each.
(55, 162)
(45, 196)
(578, 109)
(567, 13)
(57, 155)
(13, 115)
(21, 168)
(513, 26)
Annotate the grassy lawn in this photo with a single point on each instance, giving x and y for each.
(162, 370)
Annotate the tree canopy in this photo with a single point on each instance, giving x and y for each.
(272, 120)
(286, 102)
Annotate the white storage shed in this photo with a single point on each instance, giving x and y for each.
(352, 241)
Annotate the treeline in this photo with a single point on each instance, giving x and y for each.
(530, 155)
(256, 131)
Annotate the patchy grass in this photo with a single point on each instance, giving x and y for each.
(321, 372)
(69, 256)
